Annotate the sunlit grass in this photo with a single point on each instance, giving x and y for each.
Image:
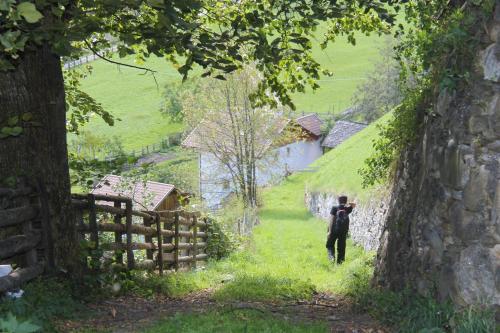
(285, 259)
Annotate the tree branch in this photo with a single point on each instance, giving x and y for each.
(94, 51)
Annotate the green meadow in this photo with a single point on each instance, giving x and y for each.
(135, 97)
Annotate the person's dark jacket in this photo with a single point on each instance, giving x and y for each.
(333, 214)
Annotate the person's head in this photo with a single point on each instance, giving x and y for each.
(342, 200)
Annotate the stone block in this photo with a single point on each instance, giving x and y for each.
(479, 125)
(490, 62)
(476, 194)
(475, 277)
(494, 32)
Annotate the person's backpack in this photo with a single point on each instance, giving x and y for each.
(341, 221)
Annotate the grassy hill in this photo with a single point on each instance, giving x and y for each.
(135, 98)
(337, 170)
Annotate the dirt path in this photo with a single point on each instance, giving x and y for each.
(155, 158)
(133, 314)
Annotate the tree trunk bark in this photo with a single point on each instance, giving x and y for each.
(38, 155)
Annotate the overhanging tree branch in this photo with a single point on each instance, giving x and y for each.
(148, 70)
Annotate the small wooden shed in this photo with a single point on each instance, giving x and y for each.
(151, 196)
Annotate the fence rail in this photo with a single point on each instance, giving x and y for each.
(171, 238)
(22, 241)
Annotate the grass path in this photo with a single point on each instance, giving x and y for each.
(281, 282)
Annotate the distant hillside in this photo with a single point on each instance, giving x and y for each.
(135, 98)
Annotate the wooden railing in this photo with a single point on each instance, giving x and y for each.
(171, 239)
(23, 216)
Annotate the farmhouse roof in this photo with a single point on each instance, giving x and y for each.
(341, 131)
(311, 123)
(148, 195)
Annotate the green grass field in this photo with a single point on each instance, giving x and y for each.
(134, 97)
(337, 170)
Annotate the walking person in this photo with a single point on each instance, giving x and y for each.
(338, 229)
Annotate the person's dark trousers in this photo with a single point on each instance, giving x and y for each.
(340, 239)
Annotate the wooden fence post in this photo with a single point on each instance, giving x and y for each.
(148, 239)
(118, 235)
(195, 240)
(94, 234)
(176, 240)
(128, 217)
(30, 256)
(48, 244)
(160, 243)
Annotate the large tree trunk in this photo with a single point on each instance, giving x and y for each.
(38, 156)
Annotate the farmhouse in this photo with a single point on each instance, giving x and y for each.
(291, 155)
(151, 196)
(341, 131)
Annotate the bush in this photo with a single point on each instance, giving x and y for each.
(43, 301)
(220, 241)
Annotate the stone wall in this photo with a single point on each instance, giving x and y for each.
(366, 221)
(442, 233)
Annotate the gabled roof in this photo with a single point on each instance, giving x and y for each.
(341, 131)
(147, 197)
(311, 123)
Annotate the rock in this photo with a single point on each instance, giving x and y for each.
(476, 191)
(495, 146)
(494, 32)
(475, 277)
(491, 63)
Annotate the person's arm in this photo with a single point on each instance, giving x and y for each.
(351, 206)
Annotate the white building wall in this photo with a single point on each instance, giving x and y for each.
(216, 182)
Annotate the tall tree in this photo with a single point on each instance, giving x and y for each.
(233, 132)
(210, 33)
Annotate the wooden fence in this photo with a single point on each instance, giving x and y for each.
(23, 216)
(171, 239)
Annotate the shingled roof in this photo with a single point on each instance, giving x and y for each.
(342, 131)
(310, 123)
(195, 139)
(149, 197)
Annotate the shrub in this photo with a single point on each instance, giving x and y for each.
(220, 241)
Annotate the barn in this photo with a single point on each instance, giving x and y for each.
(149, 195)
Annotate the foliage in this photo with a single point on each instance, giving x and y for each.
(181, 170)
(220, 241)
(79, 104)
(406, 312)
(174, 95)
(234, 320)
(85, 172)
(380, 92)
(45, 300)
(235, 134)
(207, 33)
(10, 324)
(13, 126)
(436, 53)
